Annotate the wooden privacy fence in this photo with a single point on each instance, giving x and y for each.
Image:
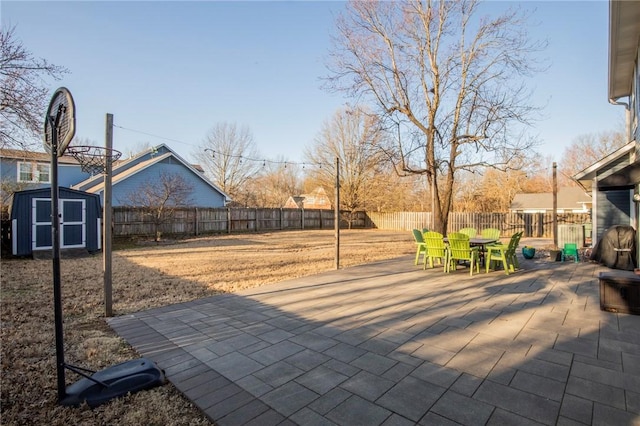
(538, 225)
(129, 221)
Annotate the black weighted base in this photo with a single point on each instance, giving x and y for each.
(118, 380)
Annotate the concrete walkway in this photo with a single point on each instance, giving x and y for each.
(392, 344)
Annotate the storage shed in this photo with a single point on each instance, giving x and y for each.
(30, 214)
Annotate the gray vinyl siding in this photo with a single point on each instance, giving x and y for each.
(203, 195)
(614, 208)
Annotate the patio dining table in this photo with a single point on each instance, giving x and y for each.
(479, 242)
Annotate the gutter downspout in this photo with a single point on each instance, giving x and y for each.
(627, 129)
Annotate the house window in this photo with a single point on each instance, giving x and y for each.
(34, 172)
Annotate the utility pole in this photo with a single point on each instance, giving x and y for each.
(106, 219)
(555, 205)
(337, 214)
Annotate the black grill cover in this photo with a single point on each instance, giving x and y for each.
(616, 248)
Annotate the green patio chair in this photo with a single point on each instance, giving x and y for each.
(421, 248)
(460, 249)
(436, 249)
(493, 233)
(470, 232)
(504, 253)
(490, 233)
(570, 250)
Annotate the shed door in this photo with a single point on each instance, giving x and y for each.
(41, 227)
(73, 232)
(72, 224)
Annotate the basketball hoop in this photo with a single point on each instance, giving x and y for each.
(93, 159)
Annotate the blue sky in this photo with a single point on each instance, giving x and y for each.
(175, 69)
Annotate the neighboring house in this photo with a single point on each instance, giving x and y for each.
(569, 200)
(317, 199)
(21, 169)
(615, 179)
(146, 168)
(31, 170)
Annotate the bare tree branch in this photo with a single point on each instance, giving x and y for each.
(24, 92)
(161, 197)
(228, 155)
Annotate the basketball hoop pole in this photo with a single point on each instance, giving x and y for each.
(98, 387)
(55, 256)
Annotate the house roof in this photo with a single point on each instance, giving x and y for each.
(43, 157)
(624, 34)
(135, 165)
(97, 182)
(298, 200)
(568, 198)
(616, 169)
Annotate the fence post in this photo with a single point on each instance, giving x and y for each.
(195, 221)
(228, 220)
(257, 221)
(541, 223)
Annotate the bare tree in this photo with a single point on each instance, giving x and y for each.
(354, 137)
(494, 190)
(7, 188)
(24, 92)
(228, 156)
(272, 187)
(587, 149)
(450, 82)
(160, 197)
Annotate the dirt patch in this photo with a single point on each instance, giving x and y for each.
(144, 276)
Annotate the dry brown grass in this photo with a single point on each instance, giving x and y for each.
(145, 276)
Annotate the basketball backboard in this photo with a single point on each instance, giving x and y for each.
(60, 118)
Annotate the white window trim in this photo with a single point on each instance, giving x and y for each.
(35, 173)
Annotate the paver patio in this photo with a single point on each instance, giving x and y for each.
(391, 344)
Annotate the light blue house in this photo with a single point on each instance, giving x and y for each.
(23, 170)
(146, 168)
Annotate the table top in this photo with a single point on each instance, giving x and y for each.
(479, 240)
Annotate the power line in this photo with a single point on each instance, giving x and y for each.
(264, 161)
(155, 136)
